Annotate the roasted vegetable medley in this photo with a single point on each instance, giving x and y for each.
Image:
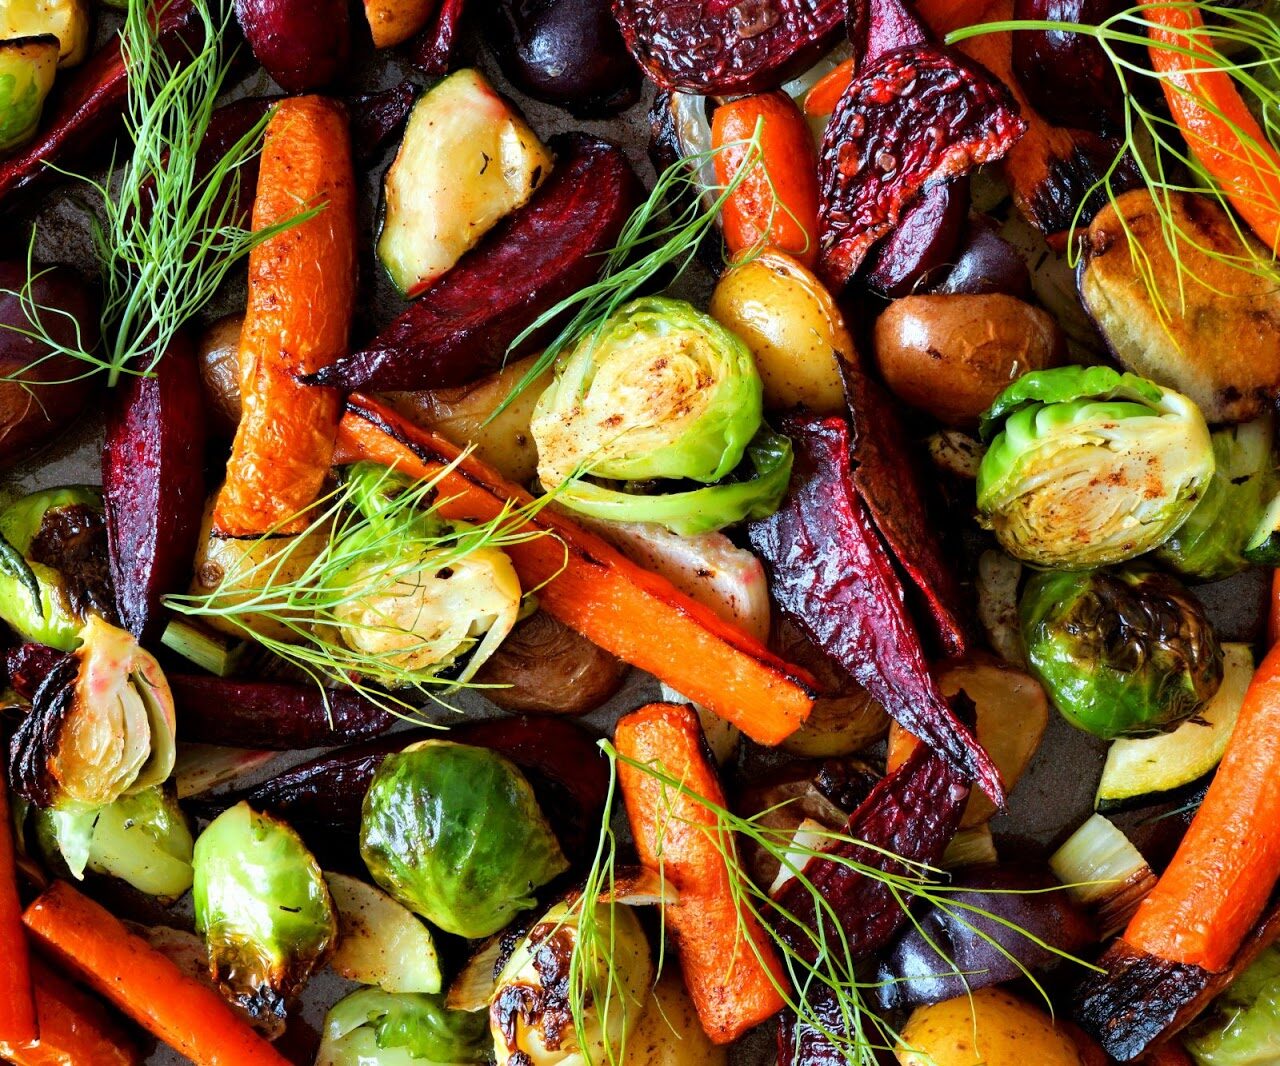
(473, 594)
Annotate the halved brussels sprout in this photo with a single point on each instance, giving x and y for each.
(101, 726)
(530, 1014)
(455, 834)
(1088, 466)
(262, 905)
(1120, 652)
(376, 1028)
(379, 941)
(1242, 1028)
(28, 66)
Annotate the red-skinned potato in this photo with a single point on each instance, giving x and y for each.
(303, 44)
(33, 414)
(218, 351)
(951, 355)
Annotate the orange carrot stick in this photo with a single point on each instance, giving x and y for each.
(74, 1028)
(186, 1014)
(826, 92)
(1213, 117)
(17, 1004)
(730, 967)
(592, 588)
(1273, 613)
(1228, 863)
(301, 297)
(776, 202)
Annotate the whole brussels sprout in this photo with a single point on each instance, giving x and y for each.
(400, 1029)
(1088, 466)
(530, 1010)
(1120, 652)
(455, 834)
(1242, 1028)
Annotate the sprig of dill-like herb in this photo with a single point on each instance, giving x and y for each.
(169, 231)
(1241, 43)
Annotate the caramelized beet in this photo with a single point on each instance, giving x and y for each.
(459, 329)
(272, 715)
(718, 48)
(27, 665)
(924, 241)
(377, 117)
(913, 117)
(831, 574)
(303, 44)
(986, 263)
(153, 485)
(432, 53)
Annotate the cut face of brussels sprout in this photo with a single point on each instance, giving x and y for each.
(386, 1029)
(1243, 1026)
(263, 908)
(1089, 466)
(530, 1014)
(660, 390)
(455, 834)
(380, 942)
(102, 725)
(1121, 652)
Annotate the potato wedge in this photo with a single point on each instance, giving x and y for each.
(989, 1028)
(668, 1032)
(1222, 347)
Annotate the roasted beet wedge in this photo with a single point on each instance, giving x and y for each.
(459, 329)
(925, 241)
(153, 485)
(914, 117)
(27, 665)
(272, 715)
(831, 574)
(716, 48)
(303, 44)
(432, 52)
(377, 117)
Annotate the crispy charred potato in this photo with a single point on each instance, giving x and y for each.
(1222, 348)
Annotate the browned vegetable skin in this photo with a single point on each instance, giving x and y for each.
(303, 44)
(218, 352)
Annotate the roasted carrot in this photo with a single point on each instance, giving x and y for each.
(1273, 614)
(75, 1028)
(730, 967)
(1169, 1054)
(186, 1014)
(776, 201)
(1213, 117)
(1228, 863)
(17, 1005)
(301, 298)
(826, 92)
(900, 746)
(592, 588)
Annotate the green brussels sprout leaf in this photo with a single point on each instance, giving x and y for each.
(1242, 1028)
(400, 1029)
(1063, 385)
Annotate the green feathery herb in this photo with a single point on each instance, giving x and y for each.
(168, 232)
(332, 603)
(1241, 43)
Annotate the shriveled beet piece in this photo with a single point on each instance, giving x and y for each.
(830, 573)
(912, 813)
(459, 329)
(272, 715)
(924, 241)
(88, 107)
(915, 116)
(986, 263)
(27, 665)
(877, 27)
(377, 117)
(799, 1044)
(432, 52)
(153, 485)
(715, 48)
(887, 479)
(303, 44)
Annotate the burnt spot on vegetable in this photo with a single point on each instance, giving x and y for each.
(73, 541)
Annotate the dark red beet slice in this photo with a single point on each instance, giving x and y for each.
(153, 485)
(830, 573)
(877, 27)
(912, 813)
(726, 47)
(376, 118)
(272, 715)
(926, 240)
(303, 44)
(916, 116)
(887, 479)
(87, 108)
(432, 53)
(459, 329)
(27, 665)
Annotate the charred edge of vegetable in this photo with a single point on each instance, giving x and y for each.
(1076, 186)
(28, 665)
(38, 734)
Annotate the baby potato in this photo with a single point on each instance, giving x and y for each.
(991, 1029)
(951, 355)
(668, 1032)
(219, 355)
(793, 328)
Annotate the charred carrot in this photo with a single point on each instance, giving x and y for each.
(189, 1016)
(301, 297)
(776, 201)
(17, 1005)
(1213, 117)
(826, 92)
(1228, 863)
(74, 1028)
(592, 588)
(730, 966)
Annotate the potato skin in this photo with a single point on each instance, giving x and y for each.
(1009, 1032)
(951, 355)
(218, 353)
(793, 328)
(668, 1032)
(1223, 348)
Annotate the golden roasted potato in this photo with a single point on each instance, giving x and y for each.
(1222, 346)
(668, 1032)
(951, 355)
(218, 353)
(459, 414)
(793, 328)
(993, 1028)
